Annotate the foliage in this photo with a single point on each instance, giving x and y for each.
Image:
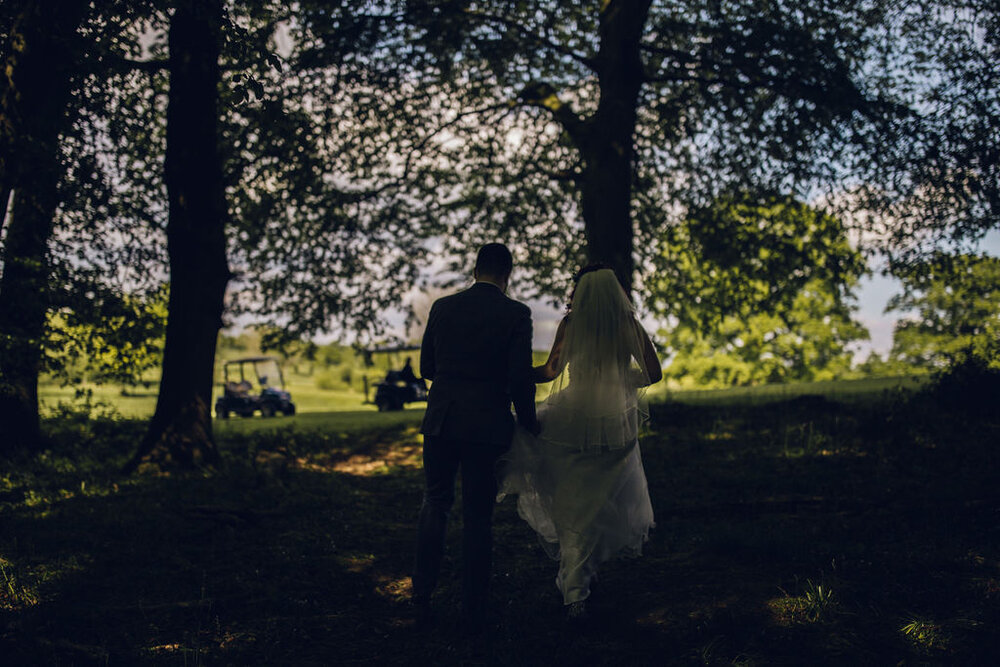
(951, 309)
(749, 254)
(761, 291)
(361, 140)
(875, 366)
(969, 386)
(108, 337)
(925, 635)
(284, 207)
(808, 343)
(814, 605)
(476, 120)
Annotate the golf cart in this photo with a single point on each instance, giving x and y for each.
(396, 390)
(399, 387)
(238, 391)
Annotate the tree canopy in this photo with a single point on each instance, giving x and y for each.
(950, 308)
(758, 292)
(583, 130)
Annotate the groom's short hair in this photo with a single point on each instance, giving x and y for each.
(494, 259)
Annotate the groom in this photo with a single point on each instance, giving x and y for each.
(477, 351)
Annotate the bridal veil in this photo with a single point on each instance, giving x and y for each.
(596, 398)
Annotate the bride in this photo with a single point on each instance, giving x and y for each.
(580, 483)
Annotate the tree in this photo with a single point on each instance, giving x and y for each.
(951, 307)
(809, 342)
(582, 130)
(41, 55)
(749, 253)
(758, 291)
(125, 345)
(181, 429)
(109, 243)
(65, 109)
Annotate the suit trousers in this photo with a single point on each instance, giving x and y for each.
(443, 457)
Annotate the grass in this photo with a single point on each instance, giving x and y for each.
(140, 402)
(308, 398)
(802, 531)
(840, 390)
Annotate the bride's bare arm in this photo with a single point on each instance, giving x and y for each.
(553, 366)
(650, 360)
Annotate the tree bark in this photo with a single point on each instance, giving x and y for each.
(180, 433)
(608, 145)
(39, 66)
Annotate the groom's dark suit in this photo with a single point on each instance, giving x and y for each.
(477, 351)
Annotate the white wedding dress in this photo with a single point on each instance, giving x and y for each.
(580, 484)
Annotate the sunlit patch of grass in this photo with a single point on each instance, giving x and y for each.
(383, 462)
(14, 593)
(659, 616)
(383, 457)
(356, 563)
(925, 635)
(377, 452)
(396, 589)
(806, 438)
(166, 648)
(816, 603)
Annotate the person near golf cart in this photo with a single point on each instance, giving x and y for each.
(399, 388)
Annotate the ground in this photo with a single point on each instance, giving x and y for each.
(801, 531)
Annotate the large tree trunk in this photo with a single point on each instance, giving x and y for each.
(607, 148)
(33, 111)
(180, 433)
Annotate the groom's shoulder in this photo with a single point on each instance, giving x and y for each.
(482, 298)
(518, 307)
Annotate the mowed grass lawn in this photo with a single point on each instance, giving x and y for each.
(140, 402)
(308, 398)
(794, 531)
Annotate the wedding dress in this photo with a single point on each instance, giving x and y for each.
(580, 484)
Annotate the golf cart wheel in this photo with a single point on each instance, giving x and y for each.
(289, 410)
(267, 411)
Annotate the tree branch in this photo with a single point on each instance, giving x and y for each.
(156, 66)
(150, 66)
(359, 196)
(675, 54)
(534, 37)
(543, 96)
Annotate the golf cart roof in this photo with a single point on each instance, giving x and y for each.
(250, 360)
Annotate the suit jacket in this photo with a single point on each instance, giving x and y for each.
(477, 350)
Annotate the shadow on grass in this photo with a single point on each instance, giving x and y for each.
(798, 533)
